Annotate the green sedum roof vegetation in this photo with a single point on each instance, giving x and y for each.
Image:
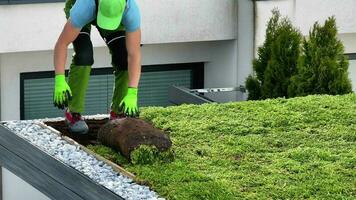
(298, 148)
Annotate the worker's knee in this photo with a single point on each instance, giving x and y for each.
(83, 59)
(83, 49)
(117, 45)
(119, 58)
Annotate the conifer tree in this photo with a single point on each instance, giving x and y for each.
(323, 67)
(277, 60)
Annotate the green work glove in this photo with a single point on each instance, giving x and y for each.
(129, 104)
(62, 93)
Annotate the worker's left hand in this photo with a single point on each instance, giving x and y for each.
(129, 104)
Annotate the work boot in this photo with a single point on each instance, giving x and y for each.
(75, 123)
(114, 115)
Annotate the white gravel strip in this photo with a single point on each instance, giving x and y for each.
(73, 156)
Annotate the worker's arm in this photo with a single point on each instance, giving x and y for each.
(68, 35)
(133, 45)
(62, 92)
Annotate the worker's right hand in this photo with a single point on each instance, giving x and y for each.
(129, 104)
(62, 93)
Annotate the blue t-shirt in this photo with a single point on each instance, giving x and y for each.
(84, 11)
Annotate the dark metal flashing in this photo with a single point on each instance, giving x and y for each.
(196, 67)
(351, 56)
(3, 2)
(180, 95)
(0, 182)
(28, 172)
(47, 174)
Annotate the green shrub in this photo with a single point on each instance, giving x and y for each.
(323, 68)
(277, 60)
(254, 88)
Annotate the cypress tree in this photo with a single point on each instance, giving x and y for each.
(323, 67)
(283, 63)
(277, 60)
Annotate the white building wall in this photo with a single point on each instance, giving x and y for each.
(343, 10)
(219, 56)
(218, 70)
(167, 21)
(349, 40)
(36, 27)
(177, 23)
(309, 11)
(245, 42)
(304, 13)
(264, 12)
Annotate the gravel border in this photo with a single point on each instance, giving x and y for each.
(73, 156)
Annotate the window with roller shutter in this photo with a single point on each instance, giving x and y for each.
(37, 89)
(28, 1)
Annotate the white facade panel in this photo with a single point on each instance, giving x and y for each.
(264, 12)
(36, 27)
(349, 41)
(310, 11)
(219, 71)
(166, 21)
(30, 27)
(304, 13)
(245, 42)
